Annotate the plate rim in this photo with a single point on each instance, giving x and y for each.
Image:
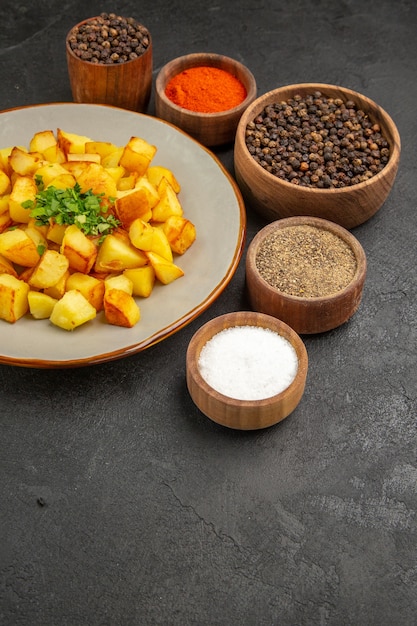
(186, 318)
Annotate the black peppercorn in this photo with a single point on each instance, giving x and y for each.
(109, 38)
(317, 141)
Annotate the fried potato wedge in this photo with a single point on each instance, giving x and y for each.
(120, 308)
(13, 298)
(40, 305)
(72, 310)
(19, 248)
(80, 251)
(51, 268)
(91, 287)
(143, 280)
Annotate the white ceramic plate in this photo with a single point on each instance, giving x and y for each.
(210, 199)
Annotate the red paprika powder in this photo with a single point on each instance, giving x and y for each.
(205, 89)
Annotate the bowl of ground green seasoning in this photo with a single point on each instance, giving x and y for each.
(109, 60)
(319, 150)
(306, 271)
(204, 94)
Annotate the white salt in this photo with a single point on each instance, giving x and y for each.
(248, 362)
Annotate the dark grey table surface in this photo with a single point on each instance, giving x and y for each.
(120, 503)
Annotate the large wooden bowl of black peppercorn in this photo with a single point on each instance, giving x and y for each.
(317, 150)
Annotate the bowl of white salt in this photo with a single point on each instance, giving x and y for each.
(246, 370)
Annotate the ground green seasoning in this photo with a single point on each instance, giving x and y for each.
(317, 141)
(71, 206)
(306, 261)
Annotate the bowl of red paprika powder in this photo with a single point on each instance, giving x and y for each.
(204, 94)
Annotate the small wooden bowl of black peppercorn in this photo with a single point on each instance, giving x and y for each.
(208, 106)
(319, 150)
(306, 271)
(109, 60)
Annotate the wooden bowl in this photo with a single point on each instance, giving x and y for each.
(276, 198)
(210, 129)
(232, 412)
(127, 85)
(306, 315)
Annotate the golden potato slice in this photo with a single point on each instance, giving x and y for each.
(97, 178)
(4, 203)
(5, 221)
(54, 154)
(63, 181)
(13, 298)
(6, 267)
(72, 310)
(151, 191)
(180, 232)
(168, 205)
(57, 290)
(126, 182)
(102, 148)
(4, 159)
(165, 271)
(156, 173)
(160, 244)
(143, 280)
(117, 174)
(42, 141)
(112, 159)
(116, 254)
(137, 155)
(119, 281)
(36, 235)
(56, 232)
(49, 271)
(24, 163)
(40, 305)
(76, 168)
(49, 171)
(5, 183)
(141, 234)
(23, 189)
(120, 308)
(19, 248)
(80, 251)
(91, 287)
(71, 142)
(133, 161)
(90, 158)
(133, 205)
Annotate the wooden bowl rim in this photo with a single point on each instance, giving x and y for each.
(106, 65)
(321, 223)
(268, 97)
(246, 318)
(197, 59)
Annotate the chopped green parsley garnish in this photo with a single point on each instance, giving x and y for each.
(70, 206)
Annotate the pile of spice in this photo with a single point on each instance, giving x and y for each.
(205, 89)
(109, 38)
(248, 362)
(317, 141)
(306, 261)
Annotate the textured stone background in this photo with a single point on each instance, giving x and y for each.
(153, 515)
